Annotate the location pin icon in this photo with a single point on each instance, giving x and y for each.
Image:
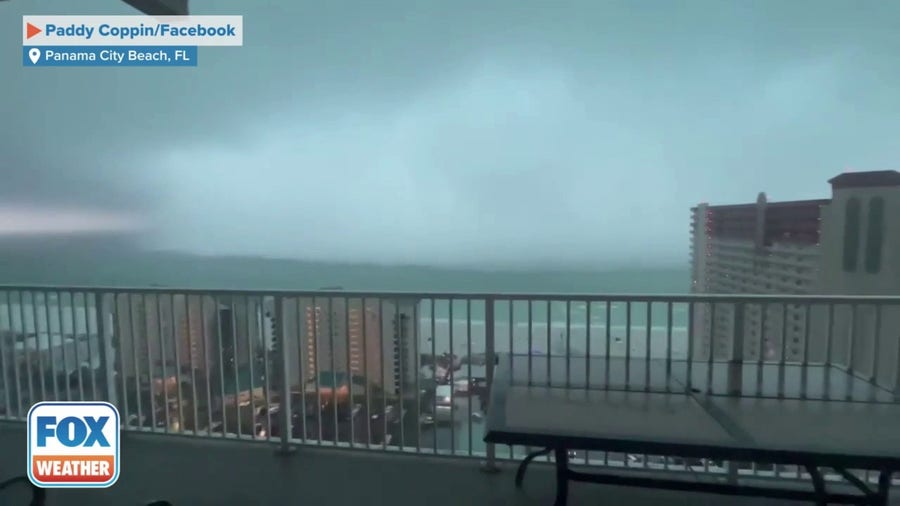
(35, 54)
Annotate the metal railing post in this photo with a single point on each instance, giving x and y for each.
(736, 363)
(896, 364)
(490, 464)
(284, 380)
(6, 368)
(105, 347)
(736, 372)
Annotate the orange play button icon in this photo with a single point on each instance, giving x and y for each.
(31, 30)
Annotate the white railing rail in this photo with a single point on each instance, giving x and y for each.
(410, 372)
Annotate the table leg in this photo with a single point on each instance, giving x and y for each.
(818, 485)
(520, 472)
(562, 476)
(884, 488)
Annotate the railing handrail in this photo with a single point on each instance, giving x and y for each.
(499, 296)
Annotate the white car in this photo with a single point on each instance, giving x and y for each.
(444, 404)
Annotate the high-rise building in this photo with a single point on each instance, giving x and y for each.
(846, 245)
(759, 248)
(136, 333)
(192, 325)
(405, 365)
(373, 340)
(159, 331)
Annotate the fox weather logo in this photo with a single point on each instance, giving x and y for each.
(73, 444)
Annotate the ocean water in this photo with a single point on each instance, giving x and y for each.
(466, 340)
(188, 271)
(570, 330)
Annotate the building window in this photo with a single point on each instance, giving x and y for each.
(875, 235)
(851, 234)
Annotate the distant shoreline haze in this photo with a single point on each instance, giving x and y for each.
(182, 270)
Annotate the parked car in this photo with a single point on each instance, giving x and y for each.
(470, 386)
(444, 404)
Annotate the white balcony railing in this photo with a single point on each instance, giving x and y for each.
(410, 371)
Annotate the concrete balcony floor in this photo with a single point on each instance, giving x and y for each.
(194, 472)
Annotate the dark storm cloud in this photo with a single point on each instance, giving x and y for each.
(468, 131)
(45, 178)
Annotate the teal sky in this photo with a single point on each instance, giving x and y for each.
(498, 132)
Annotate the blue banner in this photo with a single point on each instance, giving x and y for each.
(109, 56)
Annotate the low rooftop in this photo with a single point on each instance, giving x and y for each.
(866, 179)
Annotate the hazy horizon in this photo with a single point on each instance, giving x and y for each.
(180, 270)
(14, 248)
